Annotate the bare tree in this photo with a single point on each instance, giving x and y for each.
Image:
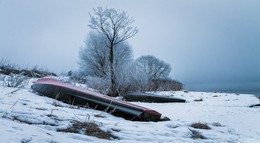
(153, 67)
(116, 26)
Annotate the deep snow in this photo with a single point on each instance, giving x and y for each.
(26, 116)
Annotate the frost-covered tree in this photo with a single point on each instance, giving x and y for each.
(93, 57)
(138, 79)
(153, 67)
(115, 26)
(94, 60)
(132, 79)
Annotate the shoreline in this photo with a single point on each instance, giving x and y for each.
(255, 93)
(237, 88)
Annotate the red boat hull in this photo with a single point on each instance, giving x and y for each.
(78, 96)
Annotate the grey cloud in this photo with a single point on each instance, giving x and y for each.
(204, 41)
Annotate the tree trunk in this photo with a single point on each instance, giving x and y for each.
(112, 90)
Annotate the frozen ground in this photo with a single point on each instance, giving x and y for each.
(27, 117)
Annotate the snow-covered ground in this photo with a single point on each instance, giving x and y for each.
(27, 117)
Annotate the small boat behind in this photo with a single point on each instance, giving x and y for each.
(82, 97)
(147, 97)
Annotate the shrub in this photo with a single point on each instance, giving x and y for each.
(196, 134)
(153, 85)
(217, 124)
(198, 100)
(15, 80)
(37, 73)
(5, 64)
(8, 68)
(164, 85)
(98, 83)
(200, 125)
(77, 76)
(88, 128)
(2, 77)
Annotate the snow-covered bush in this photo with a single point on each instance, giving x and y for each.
(137, 79)
(164, 85)
(2, 77)
(15, 80)
(76, 77)
(98, 83)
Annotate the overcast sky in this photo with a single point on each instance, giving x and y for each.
(205, 41)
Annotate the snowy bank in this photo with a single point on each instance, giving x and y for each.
(28, 117)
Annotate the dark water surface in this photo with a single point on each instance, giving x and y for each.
(240, 88)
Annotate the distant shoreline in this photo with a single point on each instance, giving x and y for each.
(256, 93)
(238, 88)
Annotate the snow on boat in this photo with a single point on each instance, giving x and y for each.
(82, 97)
(146, 97)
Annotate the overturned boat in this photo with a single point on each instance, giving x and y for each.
(82, 97)
(147, 97)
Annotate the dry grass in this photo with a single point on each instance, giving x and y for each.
(88, 128)
(217, 124)
(196, 134)
(200, 125)
(198, 100)
(8, 68)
